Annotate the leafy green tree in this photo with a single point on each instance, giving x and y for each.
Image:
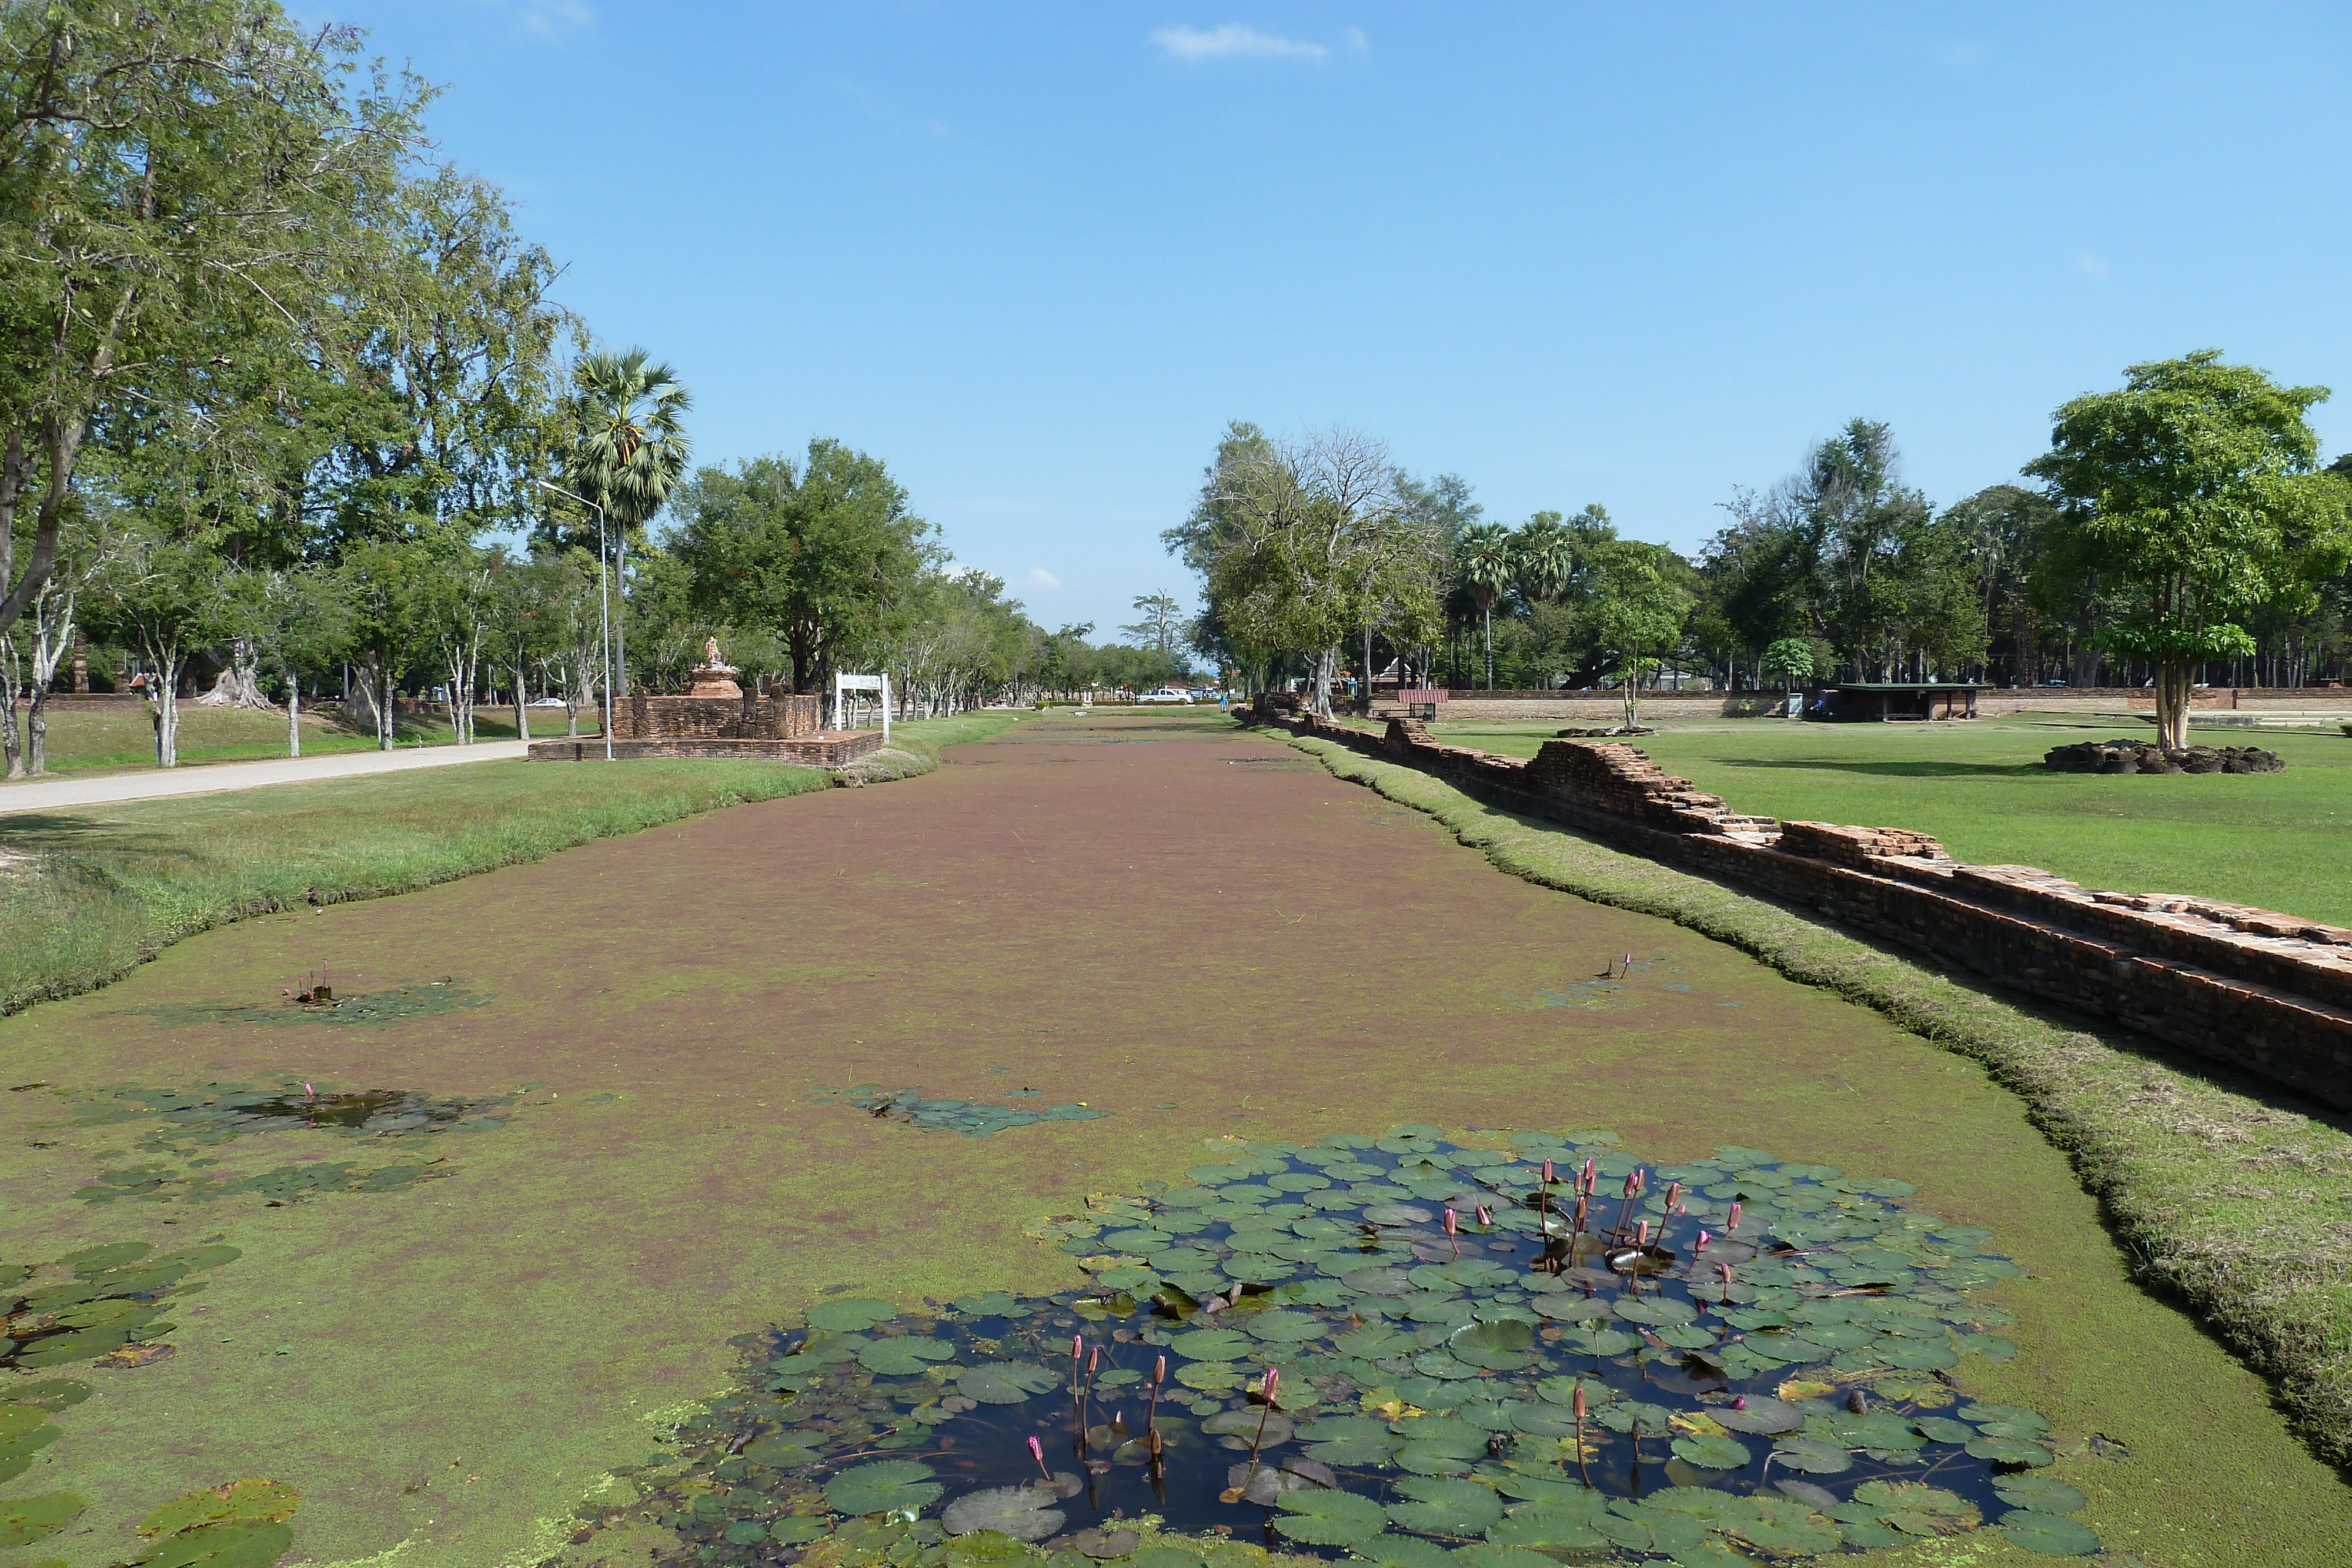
(1162, 624)
(166, 598)
(1486, 565)
(1639, 614)
(183, 188)
(1790, 661)
(2194, 492)
(820, 553)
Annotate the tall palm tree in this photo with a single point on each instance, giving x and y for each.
(1547, 556)
(1486, 563)
(632, 446)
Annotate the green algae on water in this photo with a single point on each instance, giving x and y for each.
(972, 1118)
(397, 1005)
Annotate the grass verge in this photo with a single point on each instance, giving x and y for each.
(2229, 1199)
(87, 893)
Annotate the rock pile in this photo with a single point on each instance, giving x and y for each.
(1606, 731)
(2140, 756)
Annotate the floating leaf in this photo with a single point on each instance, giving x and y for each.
(1445, 1506)
(903, 1357)
(243, 1545)
(2009, 1451)
(850, 1315)
(1763, 1415)
(1283, 1327)
(2040, 1493)
(1403, 1551)
(1005, 1382)
(1547, 1527)
(1022, 1512)
(1325, 1516)
(885, 1486)
(2054, 1534)
(248, 1501)
(1789, 1535)
(1712, 1453)
(987, 1304)
(25, 1519)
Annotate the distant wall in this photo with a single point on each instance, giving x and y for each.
(750, 717)
(2258, 990)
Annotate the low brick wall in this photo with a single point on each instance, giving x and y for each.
(751, 717)
(2255, 990)
(826, 748)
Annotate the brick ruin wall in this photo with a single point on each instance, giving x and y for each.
(2260, 992)
(751, 717)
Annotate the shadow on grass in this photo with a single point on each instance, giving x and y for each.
(1891, 769)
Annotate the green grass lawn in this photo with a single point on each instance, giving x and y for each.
(87, 893)
(88, 740)
(2279, 840)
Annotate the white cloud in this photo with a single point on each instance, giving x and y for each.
(1040, 578)
(2092, 265)
(1234, 40)
(1356, 39)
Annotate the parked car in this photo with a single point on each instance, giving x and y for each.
(1165, 697)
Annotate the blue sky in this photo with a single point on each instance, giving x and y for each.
(1036, 256)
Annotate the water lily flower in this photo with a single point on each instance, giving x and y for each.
(1703, 1239)
(1740, 1403)
(1590, 1169)
(1642, 1238)
(1160, 1371)
(1733, 1223)
(1038, 1452)
(1273, 1381)
(1452, 1221)
(1674, 1196)
(1077, 1347)
(1547, 1173)
(1485, 1215)
(1725, 1270)
(1579, 1402)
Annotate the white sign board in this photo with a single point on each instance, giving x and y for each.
(879, 684)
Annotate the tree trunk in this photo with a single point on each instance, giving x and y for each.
(293, 716)
(36, 733)
(12, 744)
(1488, 613)
(522, 703)
(240, 683)
(1326, 659)
(163, 706)
(2172, 677)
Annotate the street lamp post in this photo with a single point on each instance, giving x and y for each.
(604, 588)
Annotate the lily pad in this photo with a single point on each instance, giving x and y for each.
(1403, 1551)
(885, 1486)
(1283, 1327)
(1547, 1527)
(2054, 1534)
(25, 1519)
(1212, 1345)
(2009, 1451)
(2040, 1493)
(1763, 1415)
(243, 1544)
(1712, 1453)
(1436, 1506)
(903, 1357)
(1022, 1512)
(1006, 1382)
(1326, 1516)
(850, 1315)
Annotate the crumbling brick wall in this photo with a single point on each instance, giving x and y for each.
(2258, 990)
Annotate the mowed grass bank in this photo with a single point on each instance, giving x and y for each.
(2227, 1194)
(2280, 841)
(87, 893)
(89, 740)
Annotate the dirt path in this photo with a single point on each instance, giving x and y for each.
(1193, 931)
(207, 778)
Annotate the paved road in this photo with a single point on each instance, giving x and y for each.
(49, 794)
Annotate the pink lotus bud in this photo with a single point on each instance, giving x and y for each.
(1485, 1215)
(1642, 1236)
(1579, 1405)
(313, 1093)
(1273, 1381)
(1452, 1222)
(1159, 1371)
(1725, 1270)
(1703, 1239)
(1037, 1448)
(1681, 1209)
(1734, 1222)
(1633, 1186)
(1740, 1403)
(1077, 1347)
(1547, 1173)
(1674, 1196)
(1094, 1359)
(1590, 1169)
